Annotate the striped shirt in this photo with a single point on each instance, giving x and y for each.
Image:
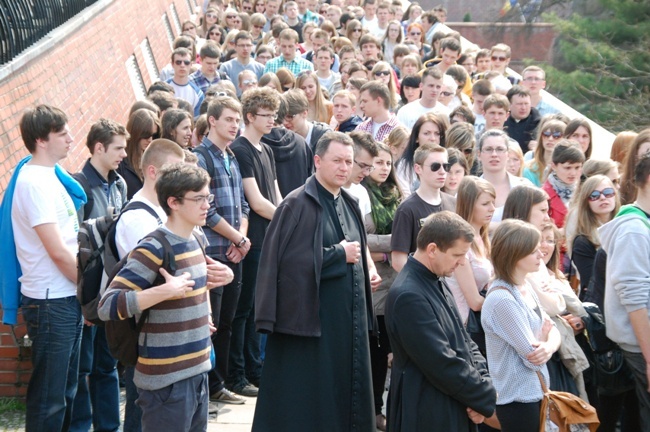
(511, 327)
(297, 65)
(176, 332)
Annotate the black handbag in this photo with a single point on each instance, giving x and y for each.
(475, 328)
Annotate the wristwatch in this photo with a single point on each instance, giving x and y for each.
(242, 242)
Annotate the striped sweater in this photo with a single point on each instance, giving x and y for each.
(176, 333)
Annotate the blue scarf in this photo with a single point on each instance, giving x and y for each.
(10, 270)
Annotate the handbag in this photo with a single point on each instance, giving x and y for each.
(565, 412)
(475, 328)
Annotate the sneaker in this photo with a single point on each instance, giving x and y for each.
(226, 396)
(246, 390)
(213, 408)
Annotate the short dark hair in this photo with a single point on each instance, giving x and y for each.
(367, 38)
(260, 97)
(483, 87)
(170, 121)
(182, 52)
(38, 122)
(243, 35)
(324, 142)
(444, 229)
(160, 86)
(434, 73)
(567, 151)
(464, 112)
(378, 89)
(517, 90)
(450, 43)
(210, 50)
(219, 103)
(103, 131)
(176, 180)
(296, 101)
(364, 141)
(163, 100)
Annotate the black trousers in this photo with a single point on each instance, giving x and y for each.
(379, 350)
(519, 417)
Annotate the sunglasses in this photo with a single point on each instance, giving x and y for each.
(437, 165)
(549, 134)
(180, 62)
(155, 135)
(468, 151)
(210, 15)
(231, 16)
(415, 34)
(384, 73)
(607, 193)
(356, 30)
(496, 58)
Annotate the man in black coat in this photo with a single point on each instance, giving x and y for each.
(439, 379)
(523, 120)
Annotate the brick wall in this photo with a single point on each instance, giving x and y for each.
(85, 75)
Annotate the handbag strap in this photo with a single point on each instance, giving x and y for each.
(541, 381)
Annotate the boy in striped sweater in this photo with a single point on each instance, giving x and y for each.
(171, 372)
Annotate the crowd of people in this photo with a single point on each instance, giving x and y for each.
(345, 191)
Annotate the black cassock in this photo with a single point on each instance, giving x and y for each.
(324, 382)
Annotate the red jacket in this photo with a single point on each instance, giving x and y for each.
(556, 208)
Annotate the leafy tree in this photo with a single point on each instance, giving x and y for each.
(602, 64)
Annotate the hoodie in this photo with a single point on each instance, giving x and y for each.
(294, 162)
(626, 239)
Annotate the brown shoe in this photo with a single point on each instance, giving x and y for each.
(381, 422)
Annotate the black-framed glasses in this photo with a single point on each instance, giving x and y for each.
(365, 167)
(437, 165)
(180, 62)
(556, 134)
(199, 199)
(607, 193)
(384, 73)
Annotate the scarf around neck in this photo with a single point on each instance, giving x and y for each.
(384, 200)
(564, 190)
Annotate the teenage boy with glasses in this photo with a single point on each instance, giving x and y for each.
(534, 79)
(365, 152)
(259, 179)
(431, 166)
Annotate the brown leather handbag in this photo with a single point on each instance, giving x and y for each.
(566, 411)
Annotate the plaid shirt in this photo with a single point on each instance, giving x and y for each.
(297, 65)
(383, 131)
(229, 202)
(202, 81)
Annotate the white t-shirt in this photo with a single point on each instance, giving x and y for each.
(360, 193)
(134, 225)
(375, 128)
(39, 199)
(411, 112)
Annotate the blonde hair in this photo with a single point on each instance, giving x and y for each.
(520, 155)
(320, 103)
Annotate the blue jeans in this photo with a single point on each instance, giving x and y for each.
(245, 364)
(54, 327)
(97, 402)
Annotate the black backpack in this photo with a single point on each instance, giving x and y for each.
(122, 335)
(209, 163)
(95, 261)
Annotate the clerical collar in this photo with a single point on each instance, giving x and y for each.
(324, 192)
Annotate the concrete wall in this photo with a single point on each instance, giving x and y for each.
(81, 68)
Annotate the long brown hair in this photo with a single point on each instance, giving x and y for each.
(628, 189)
(469, 191)
(139, 126)
(539, 162)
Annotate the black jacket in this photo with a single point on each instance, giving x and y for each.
(437, 370)
(294, 161)
(318, 131)
(522, 131)
(350, 124)
(289, 275)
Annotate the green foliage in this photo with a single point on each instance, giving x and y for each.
(602, 67)
(467, 17)
(11, 404)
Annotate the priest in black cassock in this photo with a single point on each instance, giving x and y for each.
(439, 379)
(313, 298)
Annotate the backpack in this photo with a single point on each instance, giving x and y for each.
(209, 163)
(93, 267)
(122, 335)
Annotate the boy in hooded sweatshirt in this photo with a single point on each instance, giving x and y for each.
(626, 239)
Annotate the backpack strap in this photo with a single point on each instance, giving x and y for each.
(90, 204)
(209, 163)
(132, 205)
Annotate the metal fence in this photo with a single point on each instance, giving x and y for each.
(24, 22)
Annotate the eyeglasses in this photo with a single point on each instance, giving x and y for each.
(533, 79)
(415, 33)
(607, 193)
(446, 94)
(211, 15)
(437, 165)
(249, 82)
(384, 73)
(215, 93)
(497, 150)
(357, 30)
(259, 27)
(365, 167)
(180, 62)
(499, 58)
(548, 134)
(249, 46)
(154, 135)
(199, 199)
(231, 16)
(290, 116)
(267, 116)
